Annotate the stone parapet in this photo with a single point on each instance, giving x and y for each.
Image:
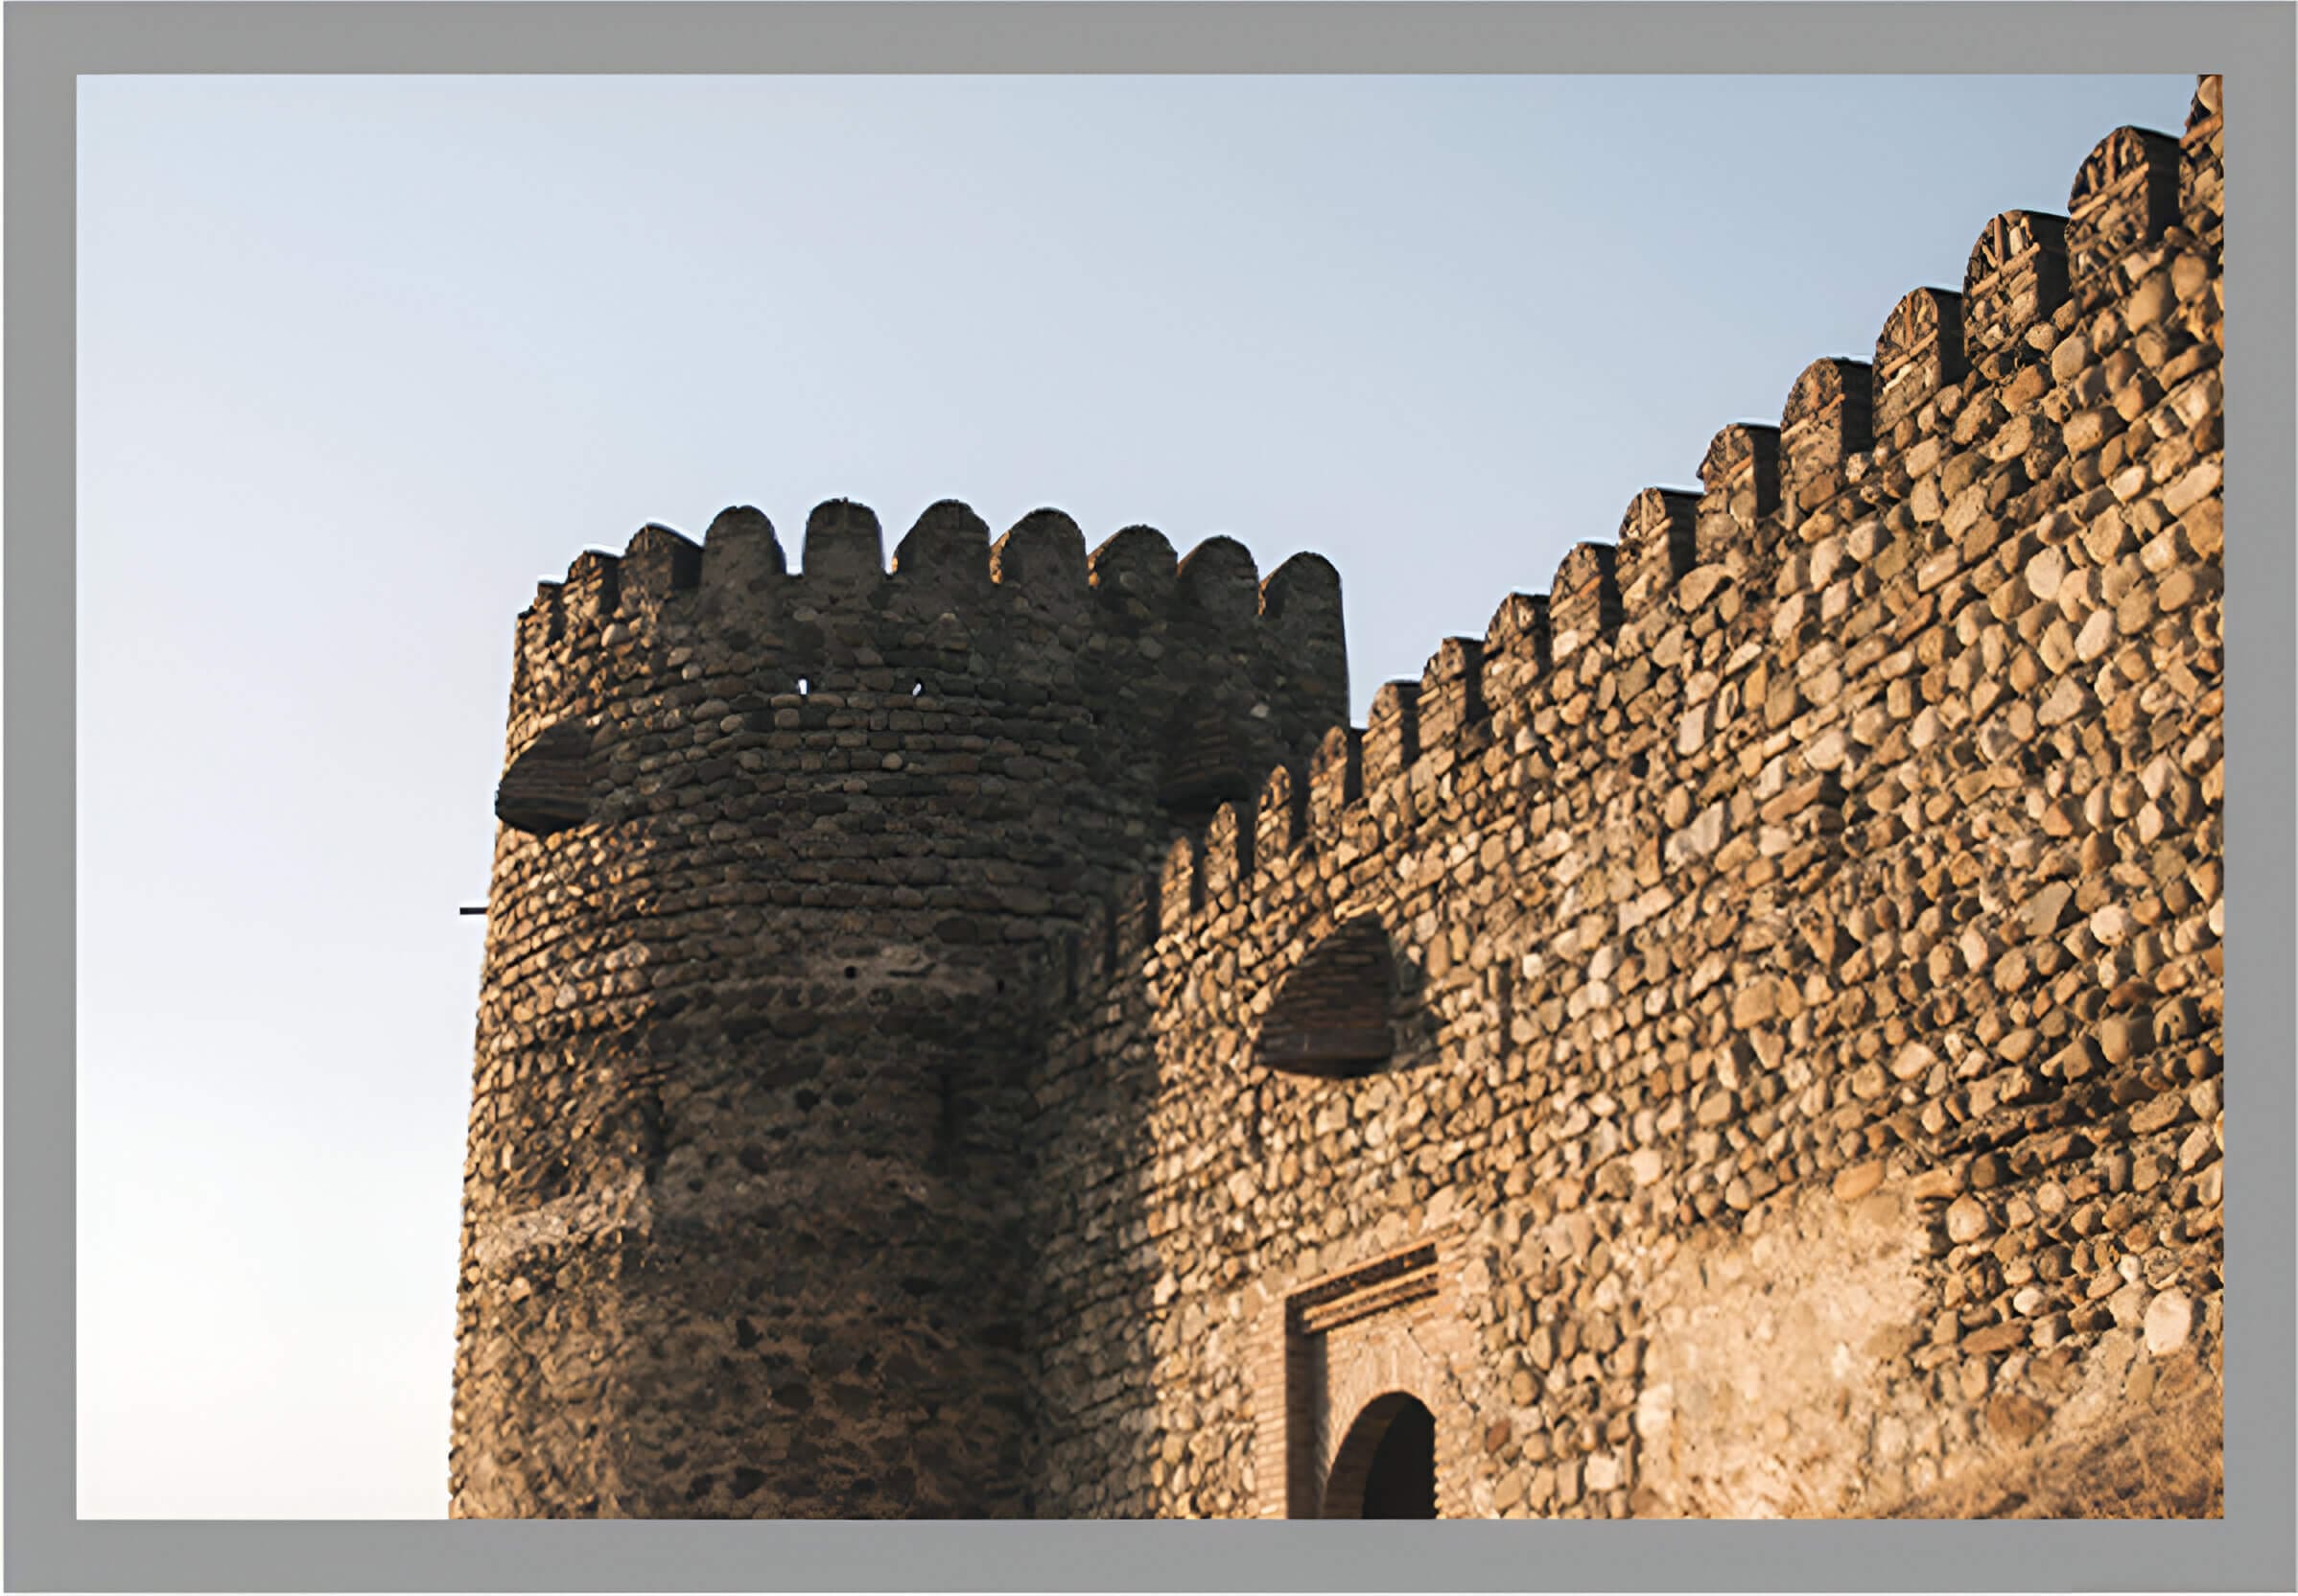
(1806, 995)
(979, 1034)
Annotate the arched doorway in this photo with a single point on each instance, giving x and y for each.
(1386, 1465)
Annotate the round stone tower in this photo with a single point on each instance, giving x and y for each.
(782, 858)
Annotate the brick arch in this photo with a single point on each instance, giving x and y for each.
(1394, 1354)
(548, 787)
(1331, 1346)
(1350, 1474)
(1332, 1015)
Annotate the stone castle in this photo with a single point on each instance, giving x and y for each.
(986, 1038)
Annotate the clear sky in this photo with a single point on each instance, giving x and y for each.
(361, 359)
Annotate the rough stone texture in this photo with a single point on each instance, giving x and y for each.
(743, 1227)
(1797, 932)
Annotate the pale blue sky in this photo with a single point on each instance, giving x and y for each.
(360, 359)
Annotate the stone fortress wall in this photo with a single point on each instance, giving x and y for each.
(1741, 1036)
(781, 856)
(1802, 1091)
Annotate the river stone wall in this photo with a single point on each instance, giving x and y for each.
(781, 851)
(1742, 1037)
(1804, 1091)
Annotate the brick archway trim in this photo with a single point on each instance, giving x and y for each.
(1350, 1470)
(1330, 1344)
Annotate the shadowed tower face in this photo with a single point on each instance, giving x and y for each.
(781, 862)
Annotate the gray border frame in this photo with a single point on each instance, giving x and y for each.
(50, 43)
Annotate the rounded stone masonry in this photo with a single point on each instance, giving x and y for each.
(1740, 1037)
(1919, 351)
(2125, 195)
(2016, 277)
(783, 858)
(1826, 420)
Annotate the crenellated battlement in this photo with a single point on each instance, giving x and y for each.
(1793, 525)
(946, 563)
(1770, 979)
(1188, 672)
(975, 1031)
